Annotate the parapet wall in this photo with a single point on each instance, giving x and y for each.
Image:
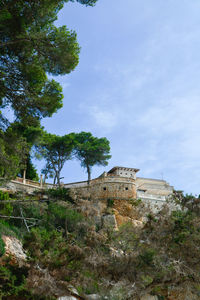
(108, 188)
(111, 186)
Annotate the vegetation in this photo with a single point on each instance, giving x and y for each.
(161, 257)
(2, 247)
(91, 151)
(13, 152)
(56, 150)
(31, 47)
(64, 238)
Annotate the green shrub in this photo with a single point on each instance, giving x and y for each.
(72, 219)
(13, 284)
(4, 195)
(62, 216)
(6, 209)
(45, 246)
(60, 194)
(9, 229)
(2, 247)
(110, 202)
(135, 202)
(147, 256)
(146, 280)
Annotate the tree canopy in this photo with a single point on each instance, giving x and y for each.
(30, 47)
(56, 150)
(13, 153)
(91, 151)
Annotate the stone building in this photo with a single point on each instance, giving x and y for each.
(120, 183)
(111, 185)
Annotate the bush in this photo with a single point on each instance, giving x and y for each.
(63, 217)
(110, 202)
(147, 256)
(60, 194)
(8, 229)
(6, 209)
(13, 284)
(4, 195)
(2, 247)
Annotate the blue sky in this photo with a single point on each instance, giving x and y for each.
(138, 84)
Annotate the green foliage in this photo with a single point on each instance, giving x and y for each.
(91, 151)
(32, 46)
(56, 150)
(183, 227)
(86, 2)
(13, 284)
(110, 202)
(2, 247)
(147, 256)
(73, 218)
(66, 218)
(60, 194)
(154, 257)
(4, 195)
(31, 172)
(12, 281)
(146, 279)
(135, 202)
(13, 149)
(46, 246)
(7, 228)
(6, 209)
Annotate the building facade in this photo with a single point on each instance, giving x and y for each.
(122, 183)
(118, 183)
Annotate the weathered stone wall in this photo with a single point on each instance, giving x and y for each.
(153, 192)
(154, 186)
(16, 186)
(108, 188)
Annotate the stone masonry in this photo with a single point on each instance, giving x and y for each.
(117, 183)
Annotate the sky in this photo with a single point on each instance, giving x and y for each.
(138, 85)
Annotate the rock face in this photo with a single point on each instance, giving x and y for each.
(109, 221)
(14, 249)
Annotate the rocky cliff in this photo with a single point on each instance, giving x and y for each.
(89, 249)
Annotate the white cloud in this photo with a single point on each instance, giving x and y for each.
(103, 118)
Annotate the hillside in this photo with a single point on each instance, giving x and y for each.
(76, 248)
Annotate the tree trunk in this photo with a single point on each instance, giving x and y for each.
(58, 177)
(89, 174)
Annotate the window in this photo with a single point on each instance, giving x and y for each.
(126, 188)
(104, 188)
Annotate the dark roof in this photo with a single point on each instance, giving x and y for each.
(124, 168)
